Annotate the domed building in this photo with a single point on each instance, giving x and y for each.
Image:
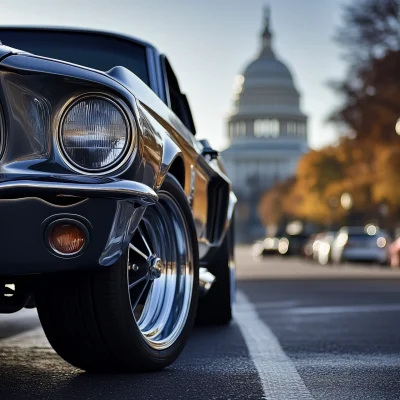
(267, 132)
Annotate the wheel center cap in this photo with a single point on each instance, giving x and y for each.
(156, 267)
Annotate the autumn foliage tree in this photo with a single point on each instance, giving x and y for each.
(370, 37)
(272, 207)
(323, 176)
(366, 160)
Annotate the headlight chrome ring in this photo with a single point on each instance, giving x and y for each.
(95, 134)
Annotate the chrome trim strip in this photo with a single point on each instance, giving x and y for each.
(122, 190)
(231, 207)
(129, 146)
(2, 132)
(192, 185)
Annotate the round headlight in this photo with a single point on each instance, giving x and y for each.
(95, 133)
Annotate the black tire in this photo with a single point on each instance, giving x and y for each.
(88, 318)
(216, 307)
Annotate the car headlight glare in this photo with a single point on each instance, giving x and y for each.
(381, 242)
(95, 134)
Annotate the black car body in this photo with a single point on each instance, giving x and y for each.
(43, 89)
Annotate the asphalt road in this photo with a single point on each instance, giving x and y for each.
(301, 331)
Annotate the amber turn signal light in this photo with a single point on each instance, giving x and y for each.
(67, 239)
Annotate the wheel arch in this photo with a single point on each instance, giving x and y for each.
(172, 162)
(177, 169)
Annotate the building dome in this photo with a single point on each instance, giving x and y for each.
(267, 132)
(267, 71)
(266, 92)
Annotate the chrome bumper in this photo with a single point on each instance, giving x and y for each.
(110, 209)
(92, 188)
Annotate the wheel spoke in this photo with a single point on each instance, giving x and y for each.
(144, 240)
(133, 284)
(140, 295)
(134, 248)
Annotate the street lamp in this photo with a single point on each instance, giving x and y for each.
(346, 201)
(398, 126)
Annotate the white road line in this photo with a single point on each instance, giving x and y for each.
(279, 377)
(34, 338)
(293, 308)
(343, 309)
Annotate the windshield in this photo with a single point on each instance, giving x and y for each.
(98, 51)
(362, 238)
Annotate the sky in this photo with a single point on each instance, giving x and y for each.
(209, 42)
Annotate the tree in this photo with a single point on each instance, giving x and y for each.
(321, 179)
(271, 208)
(371, 39)
(365, 163)
(371, 28)
(370, 109)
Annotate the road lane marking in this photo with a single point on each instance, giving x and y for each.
(271, 305)
(279, 377)
(343, 309)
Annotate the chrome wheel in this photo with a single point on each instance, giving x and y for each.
(136, 315)
(161, 273)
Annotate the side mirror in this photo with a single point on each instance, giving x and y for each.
(208, 152)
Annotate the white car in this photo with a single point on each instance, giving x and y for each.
(360, 244)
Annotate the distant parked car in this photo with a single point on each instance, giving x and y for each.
(360, 244)
(270, 246)
(296, 244)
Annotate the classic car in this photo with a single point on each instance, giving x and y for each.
(115, 218)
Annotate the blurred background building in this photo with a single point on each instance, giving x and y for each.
(267, 132)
